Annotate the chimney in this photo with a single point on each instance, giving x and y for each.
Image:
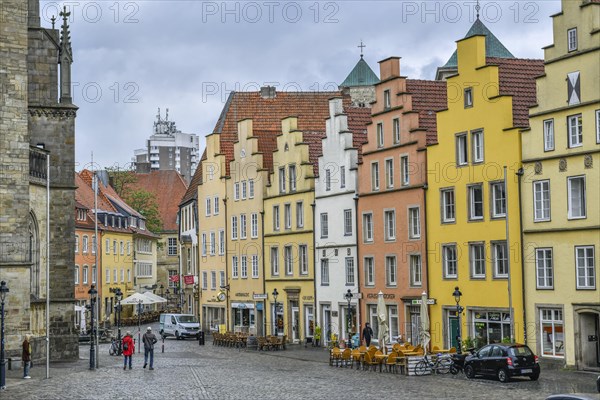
(267, 92)
(388, 68)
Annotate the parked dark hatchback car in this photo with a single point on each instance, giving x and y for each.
(503, 361)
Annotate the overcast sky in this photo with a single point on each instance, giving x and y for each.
(131, 57)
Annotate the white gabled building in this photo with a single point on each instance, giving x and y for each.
(336, 261)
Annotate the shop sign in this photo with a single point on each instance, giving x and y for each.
(419, 301)
(308, 297)
(385, 296)
(259, 296)
(242, 295)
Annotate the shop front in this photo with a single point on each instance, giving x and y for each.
(243, 317)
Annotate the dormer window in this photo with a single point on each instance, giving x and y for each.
(81, 215)
(119, 219)
(112, 221)
(132, 222)
(106, 219)
(572, 39)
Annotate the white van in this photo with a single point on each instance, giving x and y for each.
(179, 325)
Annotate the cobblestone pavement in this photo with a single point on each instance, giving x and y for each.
(189, 371)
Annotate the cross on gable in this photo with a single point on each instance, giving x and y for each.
(361, 46)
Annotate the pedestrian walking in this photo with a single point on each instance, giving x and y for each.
(26, 356)
(128, 349)
(149, 340)
(367, 334)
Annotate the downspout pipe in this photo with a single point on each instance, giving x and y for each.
(520, 174)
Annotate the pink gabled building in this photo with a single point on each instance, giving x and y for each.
(392, 188)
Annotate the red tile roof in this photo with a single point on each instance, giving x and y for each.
(358, 118)
(428, 97)
(311, 108)
(517, 78)
(168, 188)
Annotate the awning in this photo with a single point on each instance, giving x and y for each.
(243, 305)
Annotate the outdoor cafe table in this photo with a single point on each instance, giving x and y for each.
(381, 358)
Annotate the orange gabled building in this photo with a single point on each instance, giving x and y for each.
(392, 189)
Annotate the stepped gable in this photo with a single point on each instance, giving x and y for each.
(167, 187)
(428, 97)
(192, 191)
(358, 119)
(518, 79)
(266, 112)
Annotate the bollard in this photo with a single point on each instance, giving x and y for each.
(163, 345)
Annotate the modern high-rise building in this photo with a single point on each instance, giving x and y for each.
(168, 149)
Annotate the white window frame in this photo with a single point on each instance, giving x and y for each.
(287, 216)
(575, 130)
(207, 207)
(216, 205)
(342, 177)
(396, 129)
(544, 268)
(389, 173)
(76, 244)
(254, 225)
(236, 191)
(221, 242)
(76, 274)
(541, 198)
(213, 280)
(204, 280)
(498, 199)
(348, 222)
(587, 270)
(448, 206)
(299, 214)
(85, 243)
(327, 180)
(416, 270)
(244, 189)
(450, 261)
(213, 243)
(350, 272)
(324, 272)
(391, 271)
(292, 177)
(548, 125)
(462, 149)
(254, 266)
(368, 227)
(380, 140)
(500, 256)
(204, 245)
(374, 176)
(583, 195)
(477, 146)
(387, 101)
(405, 170)
(275, 260)
(303, 259)
(84, 279)
(234, 227)
(281, 179)
(476, 260)
(572, 42)
(389, 225)
(369, 270)
(243, 226)
(324, 222)
(473, 203)
(557, 341)
(597, 126)
(414, 223)
(288, 260)
(244, 268)
(250, 188)
(468, 97)
(276, 218)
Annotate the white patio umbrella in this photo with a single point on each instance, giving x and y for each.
(382, 332)
(82, 322)
(155, 297)
(424, 334)
(138, 298)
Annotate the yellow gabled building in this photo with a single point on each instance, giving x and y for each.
(561, 188)
(467, 204)
(288, 231)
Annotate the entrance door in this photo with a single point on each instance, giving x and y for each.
(590, 340)
(295, 324)
(452, 331)
(326, 331)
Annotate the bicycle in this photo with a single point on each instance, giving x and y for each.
(440, 366)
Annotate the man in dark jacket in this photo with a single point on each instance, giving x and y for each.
(26, 356)
(367, 334)
(149, 340)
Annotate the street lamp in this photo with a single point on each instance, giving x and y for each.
(92, 292)
(119, 296)
(275, 294)
(167, 293)
(161, 295)
(459, 311)
(3, 291)
(348, 297)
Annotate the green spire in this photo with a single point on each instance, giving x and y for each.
(493, 46)
(361, 75)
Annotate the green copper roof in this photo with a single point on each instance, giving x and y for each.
(361, 75)
(493, 46)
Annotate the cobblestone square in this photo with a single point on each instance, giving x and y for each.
(189, 371)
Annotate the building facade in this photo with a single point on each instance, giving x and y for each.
(168, 149)
(473, 229)
(38, 122)
(560, 186)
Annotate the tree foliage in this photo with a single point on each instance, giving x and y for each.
(145, 203)
(122, 180)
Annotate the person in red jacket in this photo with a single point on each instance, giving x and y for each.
(128, 349)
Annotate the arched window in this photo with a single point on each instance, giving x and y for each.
(77, 274)
(34, 255)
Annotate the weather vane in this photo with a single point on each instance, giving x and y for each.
(477, 8)
(361, 46)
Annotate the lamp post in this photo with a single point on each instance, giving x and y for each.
(3, 291)
(348, 297)
(275, 294)
(119, 296)
(92, 292)
(167, 293)
(161, 295)
(459, 311)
